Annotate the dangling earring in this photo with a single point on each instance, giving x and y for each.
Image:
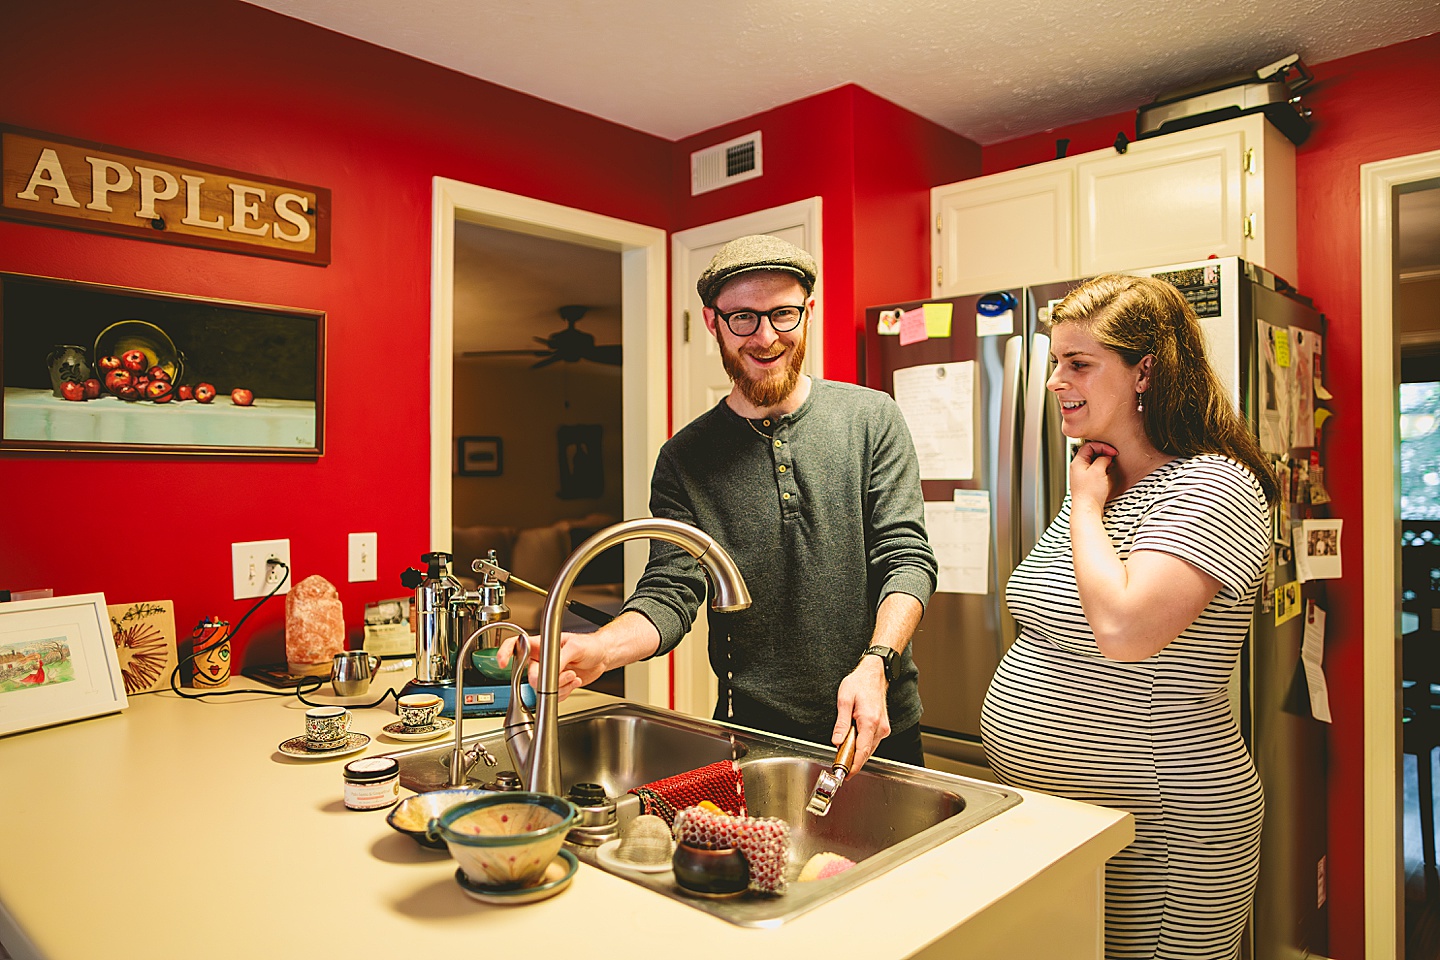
(1139, 403)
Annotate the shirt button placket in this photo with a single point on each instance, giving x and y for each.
(789, 494)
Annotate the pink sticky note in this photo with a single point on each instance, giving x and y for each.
(912, 326)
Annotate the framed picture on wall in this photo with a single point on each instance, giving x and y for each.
(57, 662)
(95, 368)
(479, 456)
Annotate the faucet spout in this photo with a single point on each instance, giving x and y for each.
(541, 769)
(460, 763)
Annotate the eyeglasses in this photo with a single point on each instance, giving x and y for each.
(744, 323)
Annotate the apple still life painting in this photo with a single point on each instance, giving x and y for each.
(112, 369)
(57, 662)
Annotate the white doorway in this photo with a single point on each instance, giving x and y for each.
(1381, 183)
(642, 267)
(699, 380)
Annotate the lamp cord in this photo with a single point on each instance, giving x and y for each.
(298, 693)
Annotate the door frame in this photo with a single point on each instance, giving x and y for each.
(642, 335)
(1384, 872)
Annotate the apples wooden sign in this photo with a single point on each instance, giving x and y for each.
(89, 186)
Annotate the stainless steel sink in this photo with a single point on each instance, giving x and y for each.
(883, 815)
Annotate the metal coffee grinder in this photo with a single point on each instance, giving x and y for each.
(446, 614)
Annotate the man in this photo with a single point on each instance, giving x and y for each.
(814, 489)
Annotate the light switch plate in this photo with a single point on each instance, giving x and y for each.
(362, 557)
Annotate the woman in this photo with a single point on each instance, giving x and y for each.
(1131, 611)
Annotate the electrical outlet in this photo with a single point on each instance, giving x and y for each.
(251, 575)
(362, 557)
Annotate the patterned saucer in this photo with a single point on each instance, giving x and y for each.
(557, 877)
(397, 731)
(297, 748)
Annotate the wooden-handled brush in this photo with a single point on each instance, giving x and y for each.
(829, 781)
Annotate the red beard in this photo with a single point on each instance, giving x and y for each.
(773, 386)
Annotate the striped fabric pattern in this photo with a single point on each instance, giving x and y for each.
(1155, 738)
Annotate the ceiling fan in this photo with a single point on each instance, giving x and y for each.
(570, 345)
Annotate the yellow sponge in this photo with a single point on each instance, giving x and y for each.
(824, 865)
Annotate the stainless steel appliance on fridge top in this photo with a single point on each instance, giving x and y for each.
(996, 345)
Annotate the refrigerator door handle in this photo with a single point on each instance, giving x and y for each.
(1005, 489)
(1034, 494)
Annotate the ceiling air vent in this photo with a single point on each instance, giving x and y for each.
(725, 163)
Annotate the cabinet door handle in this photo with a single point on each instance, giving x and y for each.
(1250, 227)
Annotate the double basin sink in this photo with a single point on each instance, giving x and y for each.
(882, 816)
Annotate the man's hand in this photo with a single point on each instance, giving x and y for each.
(585, 656)
(862, 702)
(582, 660)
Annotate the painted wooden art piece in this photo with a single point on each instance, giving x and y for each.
(144, 643)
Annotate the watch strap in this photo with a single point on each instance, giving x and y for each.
(889, 656)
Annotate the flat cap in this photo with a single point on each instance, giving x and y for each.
(756, 252)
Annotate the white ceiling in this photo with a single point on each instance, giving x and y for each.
(987, 70)
(990, 71)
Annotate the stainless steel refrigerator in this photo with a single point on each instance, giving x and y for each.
(1019, 459)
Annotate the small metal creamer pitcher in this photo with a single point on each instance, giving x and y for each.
(351, 672)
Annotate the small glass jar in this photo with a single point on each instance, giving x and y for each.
(372, 783)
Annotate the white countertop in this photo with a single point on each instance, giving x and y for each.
(176, 829)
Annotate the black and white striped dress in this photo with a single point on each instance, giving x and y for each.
(1156, 738)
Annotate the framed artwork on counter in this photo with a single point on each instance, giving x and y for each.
(57, 662)
(102, 369)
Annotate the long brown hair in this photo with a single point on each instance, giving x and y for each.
(1187, 410)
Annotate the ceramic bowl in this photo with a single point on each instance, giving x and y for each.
(484, 661)
(413, 814)
(710, 873)
(505, 841)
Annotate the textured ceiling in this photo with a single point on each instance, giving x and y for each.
(989, 71)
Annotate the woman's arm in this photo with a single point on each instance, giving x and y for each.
(1137, 606)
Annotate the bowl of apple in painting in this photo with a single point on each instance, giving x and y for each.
(125, 335)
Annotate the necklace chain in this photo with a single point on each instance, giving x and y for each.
(751, 424)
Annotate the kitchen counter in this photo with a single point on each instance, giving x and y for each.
(177, 829)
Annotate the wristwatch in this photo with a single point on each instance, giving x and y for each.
(888, 656)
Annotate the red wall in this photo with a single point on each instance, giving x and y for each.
(872, 164)
(1367, 107)
(231, 85)
(1372, 106)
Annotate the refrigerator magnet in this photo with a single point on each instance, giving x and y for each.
(995, 315)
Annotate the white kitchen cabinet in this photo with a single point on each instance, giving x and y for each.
(1004, 230)
(1225, 189)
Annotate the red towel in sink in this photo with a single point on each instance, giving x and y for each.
(719, 782)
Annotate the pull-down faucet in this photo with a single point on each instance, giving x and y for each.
(533, 738)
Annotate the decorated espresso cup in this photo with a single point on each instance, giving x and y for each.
(419, 710)
(326, 728)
